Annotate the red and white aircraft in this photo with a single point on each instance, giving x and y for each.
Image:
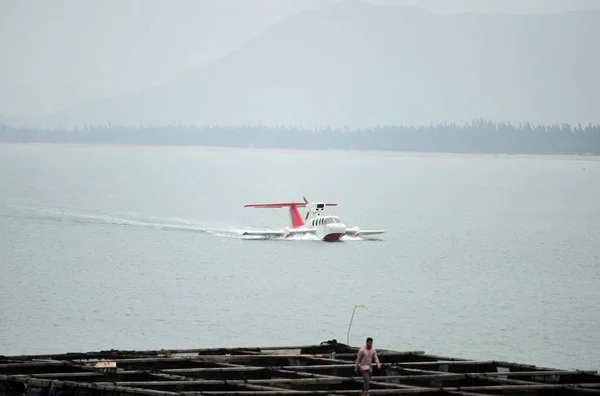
(325, 227)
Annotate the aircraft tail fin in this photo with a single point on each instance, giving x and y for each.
(296, 217)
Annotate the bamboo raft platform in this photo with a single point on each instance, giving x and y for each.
(323, 369)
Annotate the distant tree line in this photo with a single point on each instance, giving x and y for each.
(479, 136)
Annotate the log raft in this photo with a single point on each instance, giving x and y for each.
(322, 369)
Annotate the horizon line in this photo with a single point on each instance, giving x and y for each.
(472, 123)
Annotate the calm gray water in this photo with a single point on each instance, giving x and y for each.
(131, 247)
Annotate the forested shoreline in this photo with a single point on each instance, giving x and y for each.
(476, 137)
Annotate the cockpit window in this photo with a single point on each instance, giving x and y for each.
(329, 220)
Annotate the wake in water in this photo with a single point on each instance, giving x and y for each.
(128, 220)
(153, 222)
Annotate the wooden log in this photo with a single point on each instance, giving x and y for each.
(447, 362)
(87, 374)
(313, 392)
(113, 388)
(152, 352)
(590, 392)
(324, 360)
(440, 357)
(282, 392)
(459, 363)
(262, 388)
(529, 367)
(374, 380)
(457, 376)
(422, 374)
(46, 383)
(381, 353)
(319, 366)
(456, 391)
(448, 377)
(513, 388)
(34, 364)
(264, 382)
(222, 364)
(503, 381)
(538, 373)
(215, 357)
(399, 364)
(444, 377)
(291, 381)
(300, 381)
(332, 380)
(213, 369)
(462, 393)
(169, 377)
(425, 377)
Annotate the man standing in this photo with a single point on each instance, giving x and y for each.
(364, 363)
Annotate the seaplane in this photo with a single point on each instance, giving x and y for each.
(325, 227)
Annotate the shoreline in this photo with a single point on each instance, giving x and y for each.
(393, 153)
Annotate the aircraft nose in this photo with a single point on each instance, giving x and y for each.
(338, 227)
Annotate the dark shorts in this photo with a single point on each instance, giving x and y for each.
(366, 374)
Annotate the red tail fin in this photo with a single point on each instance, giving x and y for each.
(296, 217)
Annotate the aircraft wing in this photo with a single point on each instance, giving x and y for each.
(301, 231)
(371, 232)
(264, 233)
(280, 233)
(355, 231)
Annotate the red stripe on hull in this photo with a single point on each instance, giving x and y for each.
(333, 237)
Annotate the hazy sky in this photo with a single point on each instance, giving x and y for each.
(58, 53)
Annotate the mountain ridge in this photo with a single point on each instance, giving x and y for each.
(478, 136)
(362, 65)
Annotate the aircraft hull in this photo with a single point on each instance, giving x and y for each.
(334, 237)
(324, 227)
